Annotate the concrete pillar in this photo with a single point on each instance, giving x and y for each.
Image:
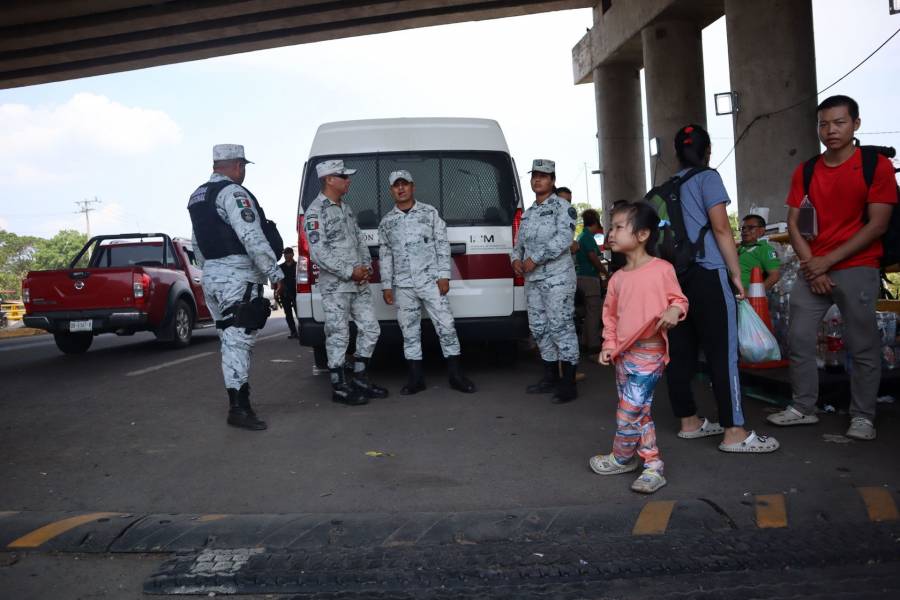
(771, 55)
(673, 75)
(620, 134)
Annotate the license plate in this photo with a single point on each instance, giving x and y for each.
(81, 325)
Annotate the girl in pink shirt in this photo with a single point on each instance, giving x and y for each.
(643, 301)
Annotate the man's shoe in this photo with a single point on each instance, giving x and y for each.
(791, 416)
(566, 390)
(361, 380)
(861, 429)
(292, 336)
(240, 414)
(458, 381)
(416, 381)
(548, 382)
(342, 392)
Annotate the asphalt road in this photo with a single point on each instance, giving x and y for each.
(133, 427)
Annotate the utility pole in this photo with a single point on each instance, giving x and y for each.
(587, 185)
(84, 206)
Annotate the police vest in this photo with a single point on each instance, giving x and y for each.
(215, 237)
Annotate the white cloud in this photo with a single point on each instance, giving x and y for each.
(32, 138)
(4, 224)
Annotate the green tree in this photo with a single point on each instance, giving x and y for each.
(16, 259)
(58, 251)
(735, 225)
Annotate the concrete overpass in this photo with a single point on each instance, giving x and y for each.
(770, 52)
(52, 40)
(771, 57)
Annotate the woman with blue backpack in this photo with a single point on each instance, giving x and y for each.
(710, 275)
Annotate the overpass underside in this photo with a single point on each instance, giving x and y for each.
(50, 40)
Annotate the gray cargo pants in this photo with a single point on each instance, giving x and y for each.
(855, 293)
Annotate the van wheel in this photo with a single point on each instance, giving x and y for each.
(320, 356)
(73, 343)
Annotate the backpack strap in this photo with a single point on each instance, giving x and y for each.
(698, 248)
(869, 163)
(809, 168)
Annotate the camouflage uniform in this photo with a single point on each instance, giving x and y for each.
(225, 279)
(414, 254)
(545, 236)
(336, 245)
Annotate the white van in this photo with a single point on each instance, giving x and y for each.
(463, 168)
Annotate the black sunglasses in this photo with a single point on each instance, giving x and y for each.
(341, 176)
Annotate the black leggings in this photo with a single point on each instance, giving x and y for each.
(711, 326)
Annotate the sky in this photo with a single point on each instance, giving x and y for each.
(141, 141)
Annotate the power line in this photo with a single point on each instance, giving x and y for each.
(85, 207)
(796, 104)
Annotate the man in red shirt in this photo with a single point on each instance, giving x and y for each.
(840, 265)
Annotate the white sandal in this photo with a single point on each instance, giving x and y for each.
(707, 429)
(606, 464)
(754, 444)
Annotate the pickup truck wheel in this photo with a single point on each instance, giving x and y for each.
(73, 343)
(182, 325)
(320, 356)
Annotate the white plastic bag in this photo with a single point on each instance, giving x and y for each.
(755, 342)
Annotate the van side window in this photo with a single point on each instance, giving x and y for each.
(467, 188)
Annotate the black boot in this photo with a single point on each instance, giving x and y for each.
(343, 392)
(240, 414)
(361, 380)
(565, 391)
(548, 382)
(416, 381)
(458, 381)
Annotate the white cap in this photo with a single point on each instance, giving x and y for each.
(543, 165)
(332, 167)
(229, 152)
(401, 174)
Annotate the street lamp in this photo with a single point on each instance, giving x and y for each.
(726, 103)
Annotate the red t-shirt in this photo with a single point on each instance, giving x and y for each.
(840, 197)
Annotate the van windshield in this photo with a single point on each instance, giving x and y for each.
(467, 188)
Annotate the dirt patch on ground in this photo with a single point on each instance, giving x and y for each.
(14, 332)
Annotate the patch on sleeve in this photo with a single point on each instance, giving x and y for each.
(242, 202)
(313, 237)
(248, 215)
(573, 213)
(312, 224)
(572, 226)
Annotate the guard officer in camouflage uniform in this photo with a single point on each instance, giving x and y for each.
(415, 270)
(337, 246)
(541, 254)
(233, 251)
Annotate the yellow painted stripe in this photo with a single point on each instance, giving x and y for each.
(210, 518)
(654, 518)
(879, 504)
(48, 532)
(771, 511)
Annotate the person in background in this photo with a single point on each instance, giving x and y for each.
(541, 255)
(643, 302)
(755, 252)
(839, 266)
(711, 285)
(288, 298)
(589, 269)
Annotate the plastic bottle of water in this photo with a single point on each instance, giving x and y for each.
(834, 342)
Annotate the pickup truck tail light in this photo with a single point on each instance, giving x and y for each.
(306, 275)
(26, 294)
(517, 222)
(140, 283)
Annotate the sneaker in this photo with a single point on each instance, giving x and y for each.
(861, 429)
(648, 482)
(791, 416)
(606, 464)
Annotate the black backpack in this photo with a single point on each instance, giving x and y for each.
(673, 243)
(890, 241)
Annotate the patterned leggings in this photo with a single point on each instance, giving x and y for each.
(637, 371)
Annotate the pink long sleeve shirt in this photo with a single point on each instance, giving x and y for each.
(635, 300)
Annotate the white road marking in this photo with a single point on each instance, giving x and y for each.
(168, 364)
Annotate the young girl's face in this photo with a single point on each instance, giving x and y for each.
(622, 237)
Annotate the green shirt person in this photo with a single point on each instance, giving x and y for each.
(754, 252)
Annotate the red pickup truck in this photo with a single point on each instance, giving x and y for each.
(120, 284)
